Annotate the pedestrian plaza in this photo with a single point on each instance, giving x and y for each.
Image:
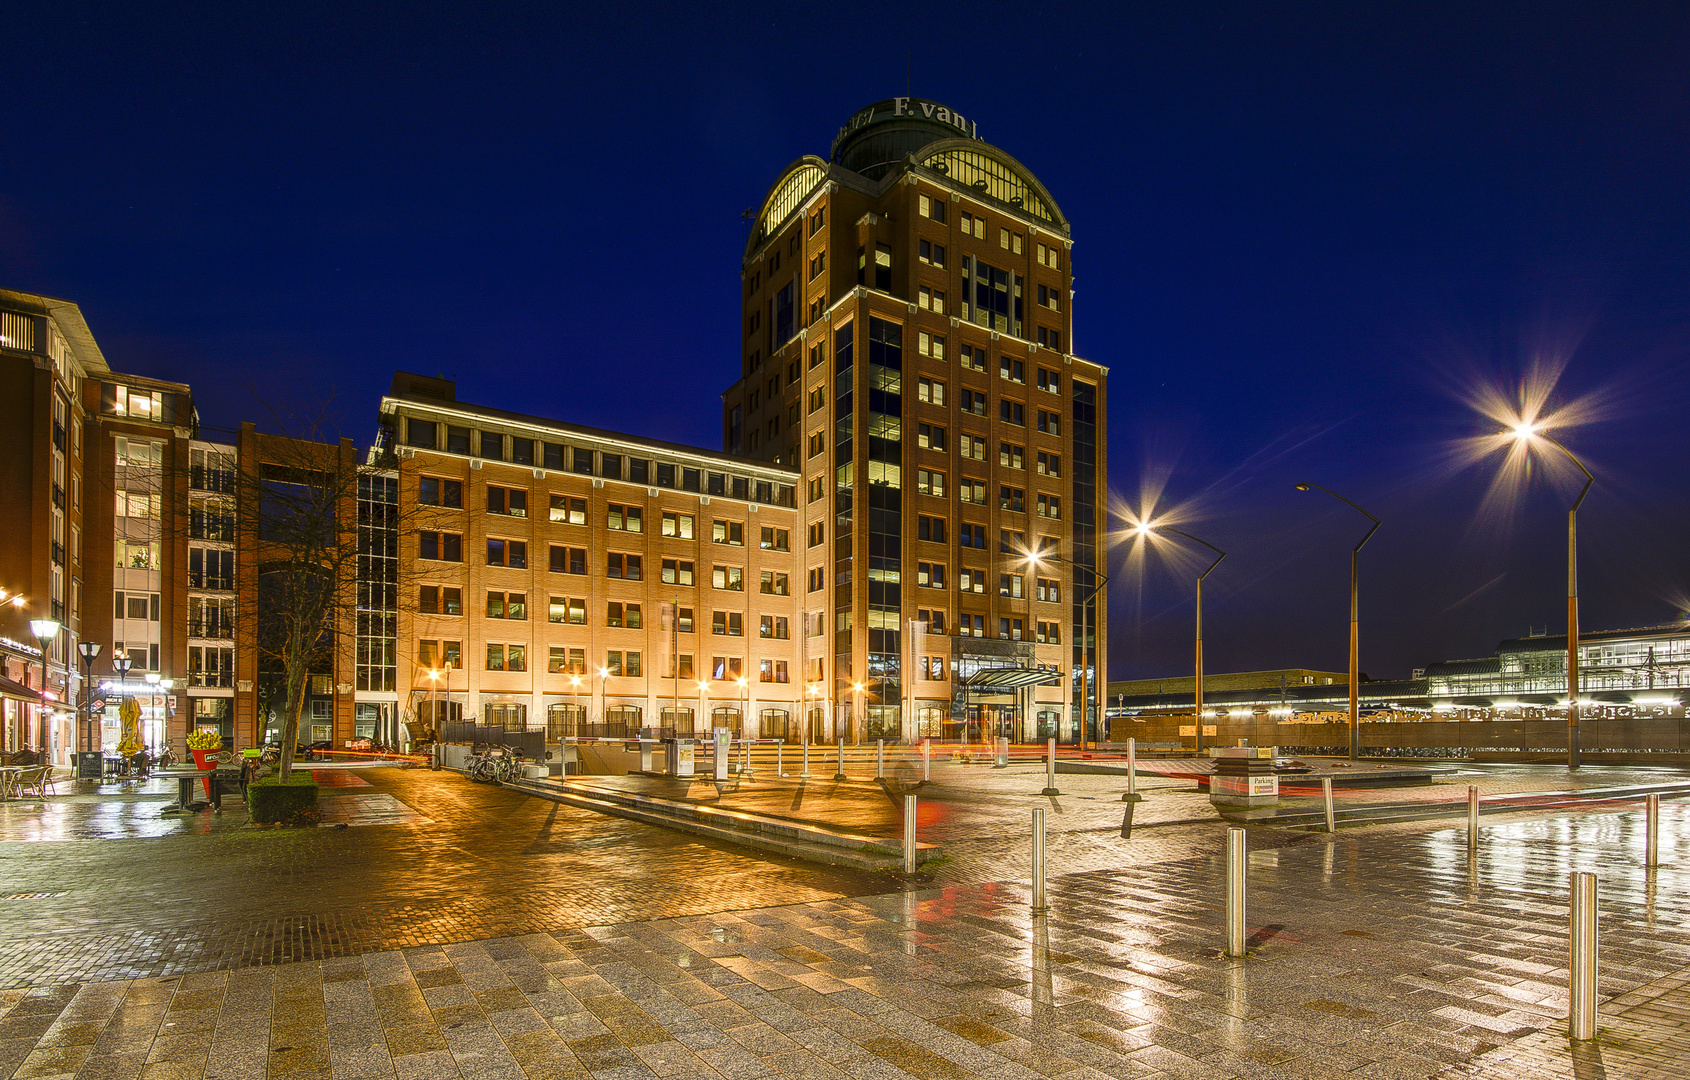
(459, 930)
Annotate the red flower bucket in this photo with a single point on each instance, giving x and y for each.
(203, 759)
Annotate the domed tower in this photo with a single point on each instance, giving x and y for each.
(907, 345)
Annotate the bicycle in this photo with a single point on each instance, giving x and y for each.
(481, 765)
(509, 765)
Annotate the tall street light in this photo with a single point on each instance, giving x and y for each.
(120, 664)
(1034, 561)
(1524, 433)
(45, 630)
(90, 651)
(1150, 529)
(1355, 658)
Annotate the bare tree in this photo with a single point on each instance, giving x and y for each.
(298, 506)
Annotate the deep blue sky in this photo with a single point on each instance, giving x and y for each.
(1303, 231)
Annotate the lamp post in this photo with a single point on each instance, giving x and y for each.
(434, 700)
(90, 651)
(1524, 433)
(604, 693)
(1355, 656)
(152, 696)
(703, 708)
(745, 698)
(1149, 528)
(857, 717)
(1035, 560)
(575, 695)
(45, 630)
(120, 664)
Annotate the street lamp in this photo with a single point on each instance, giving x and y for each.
(1035, 560)
(120, 664)
(45, 630)
(745, 698)
(1355, 656)
(1524, 433)
(152, 681)
(703, 708)
(858, 720)
(580, 717)
(90, 651)
(1149, 529)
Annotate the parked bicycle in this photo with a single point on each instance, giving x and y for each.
(494, 764)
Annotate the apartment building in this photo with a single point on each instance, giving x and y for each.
(584, 581)
(46, 353)
(907, 346)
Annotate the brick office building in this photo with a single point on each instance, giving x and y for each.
(557, 576)
(907, 345)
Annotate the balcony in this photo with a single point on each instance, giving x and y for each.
(58, 553)
(211, 628)
(58, 496)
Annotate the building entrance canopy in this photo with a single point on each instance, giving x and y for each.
(1011, 678)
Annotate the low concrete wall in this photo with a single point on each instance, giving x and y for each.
(1670, 735)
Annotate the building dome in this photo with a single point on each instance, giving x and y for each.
(880, 136)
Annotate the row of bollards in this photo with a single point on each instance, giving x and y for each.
(1582, 932)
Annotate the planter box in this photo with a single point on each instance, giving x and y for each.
(271, 802)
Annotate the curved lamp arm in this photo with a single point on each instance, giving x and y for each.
(1588, 479)
(1219, 554)
(1305, 486)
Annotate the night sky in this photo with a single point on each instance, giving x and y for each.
(1309, 237)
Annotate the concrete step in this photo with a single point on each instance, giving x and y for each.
(813, 843)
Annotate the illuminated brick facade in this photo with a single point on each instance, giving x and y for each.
(907, 345)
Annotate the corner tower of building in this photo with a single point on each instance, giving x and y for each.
(907, 345)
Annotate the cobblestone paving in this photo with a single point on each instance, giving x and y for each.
(1370, 958)
(542, 942)
(458, 861)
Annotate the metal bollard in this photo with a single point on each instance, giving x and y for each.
(1652, 856)
(909, 834)
(1472, 819)
(1581, 957)
(1326, 790)
(780, 770)
(880, 759)
(1132, 767)
(1235, 878)
(839, 768)
(1039, 905)
(805, 775)
(926, 760)
(1050, 769)
(1001, 750)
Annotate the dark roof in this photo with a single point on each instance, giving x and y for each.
(1558, 642)
(1489, 665)
(450, 401)
(1369, 695)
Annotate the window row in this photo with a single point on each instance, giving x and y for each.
(494, 446)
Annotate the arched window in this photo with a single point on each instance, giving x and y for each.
(725, 716)
(677, 723)
(1048, 726)
(564, 721)
(619, 720)
(510, 717)
(774, 724)
(929, 722)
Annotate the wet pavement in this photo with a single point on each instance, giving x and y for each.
(481, 933)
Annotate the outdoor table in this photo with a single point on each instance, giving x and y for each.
(185, 784)
(9, 780)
